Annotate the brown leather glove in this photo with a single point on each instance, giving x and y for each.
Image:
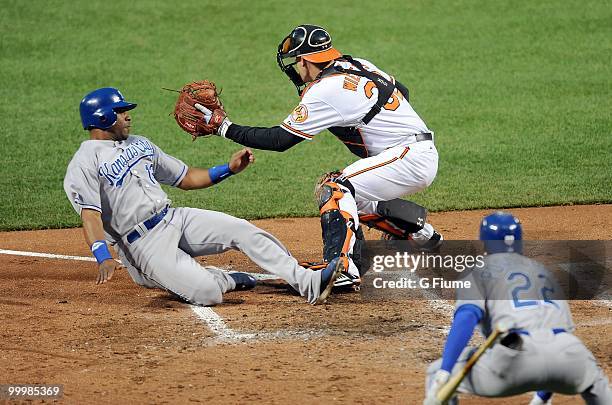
(199, 110)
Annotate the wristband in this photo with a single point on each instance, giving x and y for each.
(100, 251)
(219, 173)
(225, 124)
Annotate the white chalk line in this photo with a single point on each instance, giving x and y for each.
(433, 299)
(46, 255)
(214, 322)
(258, 276)
(603, 303)
(223, 332)
(596, 322)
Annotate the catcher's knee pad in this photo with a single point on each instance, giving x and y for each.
(338, 227)
(332, 178)
(397, 217)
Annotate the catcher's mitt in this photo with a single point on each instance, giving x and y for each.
(199, 110)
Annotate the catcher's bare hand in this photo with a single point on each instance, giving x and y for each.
(241, 159)
(106, 270)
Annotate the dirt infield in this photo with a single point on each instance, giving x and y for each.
(120, 343)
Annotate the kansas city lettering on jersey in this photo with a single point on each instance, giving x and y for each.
(115, 171)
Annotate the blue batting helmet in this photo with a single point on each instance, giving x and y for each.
(99, 108)
(501, 232)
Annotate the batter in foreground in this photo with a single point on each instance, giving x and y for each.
(113, 183)
(540, 353)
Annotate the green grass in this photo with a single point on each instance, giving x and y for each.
(518, 92)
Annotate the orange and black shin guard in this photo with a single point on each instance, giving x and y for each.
(382, 224)
(338, 227)
(397, 218)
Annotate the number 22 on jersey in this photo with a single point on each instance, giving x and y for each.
(524, 292)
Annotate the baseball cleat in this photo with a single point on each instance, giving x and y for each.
(243, 281)
(346, 279)
(433, 244)
(328, 277)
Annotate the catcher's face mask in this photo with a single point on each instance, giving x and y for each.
(309, 42)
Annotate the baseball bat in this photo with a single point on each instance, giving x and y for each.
(448, 389)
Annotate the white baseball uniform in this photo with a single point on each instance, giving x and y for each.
(393, 164)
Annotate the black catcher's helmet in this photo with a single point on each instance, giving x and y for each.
(310, 42)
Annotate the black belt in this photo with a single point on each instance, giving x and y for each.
(427, 136)
(149, 224)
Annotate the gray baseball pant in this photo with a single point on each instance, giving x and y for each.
(164, 256)
(546, 362)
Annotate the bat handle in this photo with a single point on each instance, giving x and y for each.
(448, 390)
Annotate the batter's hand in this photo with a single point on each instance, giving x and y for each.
(106, 270)
(438, 380)
(240, 160)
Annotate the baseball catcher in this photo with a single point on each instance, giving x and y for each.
(369, 111)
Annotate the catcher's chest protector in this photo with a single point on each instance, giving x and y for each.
(351, 136)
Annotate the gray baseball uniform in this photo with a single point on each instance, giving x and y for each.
(548, 357)
(157, 243)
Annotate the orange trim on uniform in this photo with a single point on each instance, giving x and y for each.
(296, 131)
(349, 232)
(381, 223)
(380, 164)
(325, 56)
(368, 217)
(313, 265)
(353, 143)
(384, 225)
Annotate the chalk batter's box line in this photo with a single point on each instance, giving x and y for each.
(259, 276)
(213, 321)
